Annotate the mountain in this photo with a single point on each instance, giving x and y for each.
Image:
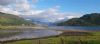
(9, 19)
(92, 19)
(37, 21)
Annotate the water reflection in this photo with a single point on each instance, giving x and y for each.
(37, 33)
(28, 34)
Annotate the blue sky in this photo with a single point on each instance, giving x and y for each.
(79, 6)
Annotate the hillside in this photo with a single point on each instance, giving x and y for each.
(8, 19)
(92, 19)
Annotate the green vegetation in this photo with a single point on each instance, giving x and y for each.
(86, 20)
(22, 42)
(8, 19)
(8, 34)
(8, 27)
(63, 39)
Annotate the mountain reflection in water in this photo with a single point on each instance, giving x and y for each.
(28, 34)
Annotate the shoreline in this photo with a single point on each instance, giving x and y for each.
(8, 41)
(68, 33)
(65, 33)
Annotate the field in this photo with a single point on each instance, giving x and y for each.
(89, 38)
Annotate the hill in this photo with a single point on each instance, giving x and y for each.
(9, 19)
(92, 19)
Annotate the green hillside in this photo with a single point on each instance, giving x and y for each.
(8, 19)
(92, 19)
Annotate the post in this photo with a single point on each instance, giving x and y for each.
(39, 42)
(62, 41)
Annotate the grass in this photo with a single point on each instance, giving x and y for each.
(15, 27)
(63, 39)
(22, 42)
(7, 27)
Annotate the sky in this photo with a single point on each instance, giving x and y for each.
(50, 10)
(78, 6)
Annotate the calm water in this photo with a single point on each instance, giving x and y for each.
(28, 34)
(93, 28)
(37, 33)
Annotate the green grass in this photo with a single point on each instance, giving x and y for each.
(7, 27)
(14, 27)
(90, 39)
(96, 33)
(62, 40)
(22, 42)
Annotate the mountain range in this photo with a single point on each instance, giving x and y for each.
(92, 19)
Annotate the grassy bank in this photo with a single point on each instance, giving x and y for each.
(21, 27)
(8, 27)
(64, 39)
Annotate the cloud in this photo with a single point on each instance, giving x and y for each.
(23, 7)
(15, 6)
(6, 2)
(19, 5)
(52, 15)
(8, 10)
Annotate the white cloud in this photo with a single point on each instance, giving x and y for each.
(16, 6)
(53, 15)
(61, 18)
(19, 5)
(8, 10)
(23, 7)
(69, 17)
(6, 2)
